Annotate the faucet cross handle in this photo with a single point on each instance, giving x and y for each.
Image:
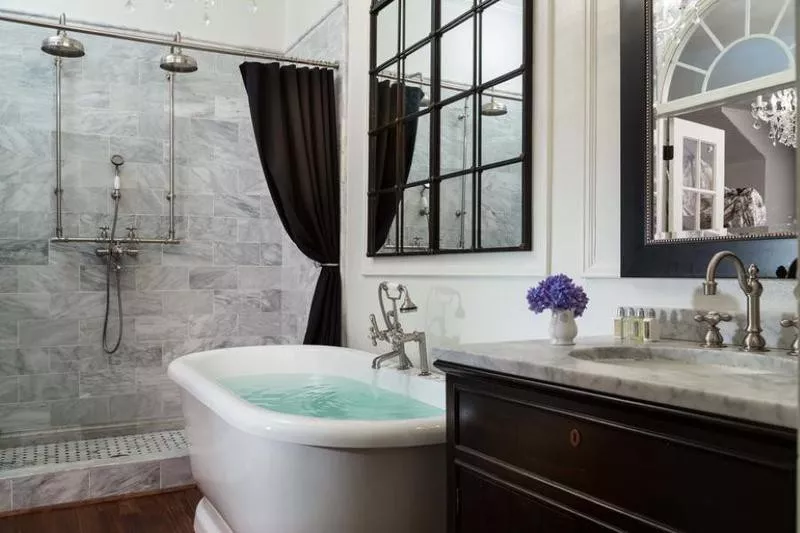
(793, 323)
(713, 338)
(374, 331)
(103, 232)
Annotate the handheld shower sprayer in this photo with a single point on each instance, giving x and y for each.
(116, 160)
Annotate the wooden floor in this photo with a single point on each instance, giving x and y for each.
(161, 513)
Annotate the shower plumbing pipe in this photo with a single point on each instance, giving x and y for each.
(120, 241)
(158, 39)
(58, 191)
(171, 193)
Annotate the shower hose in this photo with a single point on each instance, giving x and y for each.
(115, 269)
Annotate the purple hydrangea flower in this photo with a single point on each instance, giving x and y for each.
(558, 293)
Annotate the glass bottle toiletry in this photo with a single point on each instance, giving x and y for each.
(638, 326)
(651, 328)
(619, 324)
(628, 322)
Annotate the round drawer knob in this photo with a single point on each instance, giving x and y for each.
(574, 438)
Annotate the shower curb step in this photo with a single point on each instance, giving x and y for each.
(69, 483)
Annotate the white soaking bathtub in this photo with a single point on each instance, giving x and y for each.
(263, 471)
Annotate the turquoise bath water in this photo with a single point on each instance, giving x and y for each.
(331, 397)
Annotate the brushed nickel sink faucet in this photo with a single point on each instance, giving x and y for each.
(752, 289)
(394, 333)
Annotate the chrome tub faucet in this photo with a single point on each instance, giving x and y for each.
(752, 289)
(394, 333)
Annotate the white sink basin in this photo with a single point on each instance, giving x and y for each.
(695, 360)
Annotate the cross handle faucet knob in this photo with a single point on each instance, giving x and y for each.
(793, 323)
(713, 338)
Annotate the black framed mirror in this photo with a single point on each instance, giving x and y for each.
(708, 135)
(450, 127)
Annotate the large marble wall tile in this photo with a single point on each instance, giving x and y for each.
(79, 412)
(93, 278)
(260, 230)
(73, 359)
(162, 278)
(22, 306)
(186, 303)
(243, 206)
(213, 326)
(23, 252)
(24, 416)
(162, 328)
(25, 196)
(194, 204)
(136, 355)
(213, 278)
(211, 178)
(132, 407)
(26, 142)
(77, 304)
(188, 254)
(95, 200)
(271, 300)
(99, 121)
(231, 302)
(56, 332)
(9, 335)
(9, 280)
(40, 225)
(154, 125)
(142, 303)
(272, 254)
(212, 229)
(260, 324)
(17, 361)
(44, 387)
(252, 182)
(154, 381)
(91, 329)
(88, 147)
(236, 254)
(45, 279)
(175, 472)
(259, 278)
(50, 489)
(124, 479)
(9, 389)
(107, 382)
(84, 93)
(9, 225)
(138, 149)
(158, 226)
(142, 202)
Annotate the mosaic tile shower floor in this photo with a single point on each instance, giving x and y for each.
(92, 449)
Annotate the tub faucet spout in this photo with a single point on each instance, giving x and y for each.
(752, 289)
(394, 333)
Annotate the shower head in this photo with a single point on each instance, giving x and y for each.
(117, 160)
(61, 44)
(176, 61)
(493, 108)
(408, 306)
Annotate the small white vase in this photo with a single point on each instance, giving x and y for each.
(563, 328)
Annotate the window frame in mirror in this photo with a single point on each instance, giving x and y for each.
(474, 94)
(640, 254)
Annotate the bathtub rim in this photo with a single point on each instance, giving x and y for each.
(297, 429)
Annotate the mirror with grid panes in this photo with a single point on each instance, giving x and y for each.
(450, 126)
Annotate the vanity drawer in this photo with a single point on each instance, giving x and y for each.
(682, 470)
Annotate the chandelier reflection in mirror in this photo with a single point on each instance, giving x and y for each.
(208, 5)
(780, 112)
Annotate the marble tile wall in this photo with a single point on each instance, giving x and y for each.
(236, 279)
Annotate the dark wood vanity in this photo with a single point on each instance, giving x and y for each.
(530, 456)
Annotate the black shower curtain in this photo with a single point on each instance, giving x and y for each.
(386, 147)
(293, 111)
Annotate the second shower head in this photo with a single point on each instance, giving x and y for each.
(61, 44)
(176, 61)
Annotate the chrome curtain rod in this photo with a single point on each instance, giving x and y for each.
(419, 79)
(158, 39)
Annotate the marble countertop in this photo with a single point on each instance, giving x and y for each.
(756, 387)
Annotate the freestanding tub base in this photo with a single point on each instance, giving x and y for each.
(208, 520)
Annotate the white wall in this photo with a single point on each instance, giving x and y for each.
(302, 15)
(232, 21)
(576, 171)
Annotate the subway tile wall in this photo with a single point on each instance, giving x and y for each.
(235, 279)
